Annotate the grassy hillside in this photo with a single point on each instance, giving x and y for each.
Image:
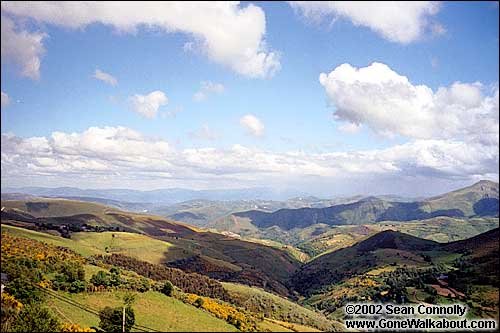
(91, 243)
(440, 229)
(45, 207)
(276, 308)
(152, 309)
(294, 251)
(465, 198)
(130, 244)
(157, 311)
(289, 317)
(169, 241)
(385, 267)
(288, 225)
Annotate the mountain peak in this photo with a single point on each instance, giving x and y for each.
(371, 199)
(486, 182)
(391, 239)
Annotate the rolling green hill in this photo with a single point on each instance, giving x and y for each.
(466, 199)
(440, 229)
(479, 199)
(393, 266)
(152, 309)
(384, 248)
(272, 306)
(91, 243)
(213, 254)
(451, 216)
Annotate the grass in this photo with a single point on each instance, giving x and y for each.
(269, 326)
(130, 244)
(59, 207)
(380, 270)
(295, 327)
(91, 243)
(49, 239)
(152, 309)
(91, 270)
(295, 252)
(275, 307)
(103, 215)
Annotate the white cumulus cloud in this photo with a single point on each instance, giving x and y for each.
(22, 48)
(226, 32)
(105, 77)
(252, 125)
(114, 155)
(148, 105)
(398, 21)
(389, 104)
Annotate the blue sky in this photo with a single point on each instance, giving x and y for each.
(455, 42)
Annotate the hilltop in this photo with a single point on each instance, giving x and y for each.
(393, 266)
(476, 200)
(453, 215)
(214, 254)
(222, 307)
(377, 262)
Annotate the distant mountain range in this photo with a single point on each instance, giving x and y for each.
(480, 199)
(199, 208)
(164, 196)
(379, 265)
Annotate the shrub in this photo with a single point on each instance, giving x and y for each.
(168, 288)
(10, 309)
(77, 286)
(111, 319)
(75, 328)
(100, 278)
(199, 302)
(34, 318)
(24, 290)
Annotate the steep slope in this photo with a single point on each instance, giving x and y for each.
(466, 198)
(391, 249)
(480, 245)
(229, 259)
(439, 229)
(390, 239)
(384, 248)
(480, 199)
(359, 212)
(204, 212)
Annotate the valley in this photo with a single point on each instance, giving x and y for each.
(270, 275)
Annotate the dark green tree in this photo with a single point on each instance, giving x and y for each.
(167, 288)
(199, 302)
(34, 318)
(101, 278)
(144, 285)
(24, 290)
(111, 319)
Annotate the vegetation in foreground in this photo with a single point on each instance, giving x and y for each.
(62, 286)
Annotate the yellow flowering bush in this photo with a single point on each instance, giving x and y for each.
(10, 302)
(75, 328)
(223, 311)
(15, 247)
